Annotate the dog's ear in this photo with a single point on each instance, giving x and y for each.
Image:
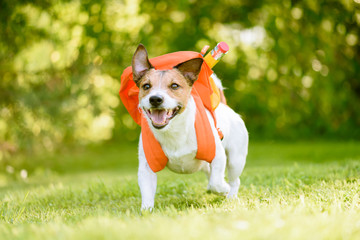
(140, 63)
(190, 69)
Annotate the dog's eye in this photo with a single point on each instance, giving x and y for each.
(146, 86)
(174, 86)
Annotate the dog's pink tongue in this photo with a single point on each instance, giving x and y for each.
(158, 117)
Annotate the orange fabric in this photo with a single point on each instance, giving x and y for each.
(154, 154)
(204, 135)
(203, 95)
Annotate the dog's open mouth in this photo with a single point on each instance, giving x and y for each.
(160, 117)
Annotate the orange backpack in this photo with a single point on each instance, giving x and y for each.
(205, 94)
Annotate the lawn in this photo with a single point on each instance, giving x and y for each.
(301, 190)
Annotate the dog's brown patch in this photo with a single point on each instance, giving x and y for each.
(176, 82)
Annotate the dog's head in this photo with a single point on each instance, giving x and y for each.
(163, 93)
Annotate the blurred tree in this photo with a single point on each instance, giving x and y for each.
(293, 69)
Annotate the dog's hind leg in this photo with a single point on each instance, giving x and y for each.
(235, 166)
(147, 180)
(205, 168)
(236, 159)
(217, 182)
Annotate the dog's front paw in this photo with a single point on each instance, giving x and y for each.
(146, 208)
(232, 195)
(221, 188)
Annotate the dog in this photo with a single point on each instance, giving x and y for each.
(169, 108)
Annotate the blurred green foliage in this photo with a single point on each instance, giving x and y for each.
(293, 70)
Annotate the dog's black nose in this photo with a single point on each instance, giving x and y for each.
(156, 100)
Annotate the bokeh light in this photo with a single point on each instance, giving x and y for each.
(293, 68)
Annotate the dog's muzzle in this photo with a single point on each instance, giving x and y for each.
(160, 117)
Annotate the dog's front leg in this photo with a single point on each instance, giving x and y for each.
(147, 180)
(217, 182)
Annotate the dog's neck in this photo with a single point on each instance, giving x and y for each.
(180, 132)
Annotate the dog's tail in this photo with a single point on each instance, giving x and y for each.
(218, 83)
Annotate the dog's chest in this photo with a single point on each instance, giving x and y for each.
(184, 163)
(181, 150)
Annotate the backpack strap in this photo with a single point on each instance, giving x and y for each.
(154, 154)
(204, 135)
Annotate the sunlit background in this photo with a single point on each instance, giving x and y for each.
(293, 70)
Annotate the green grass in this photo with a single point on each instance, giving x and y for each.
(303, 190)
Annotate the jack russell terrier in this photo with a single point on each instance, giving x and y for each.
(169, 109)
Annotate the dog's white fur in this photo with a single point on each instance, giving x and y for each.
(178, 141)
